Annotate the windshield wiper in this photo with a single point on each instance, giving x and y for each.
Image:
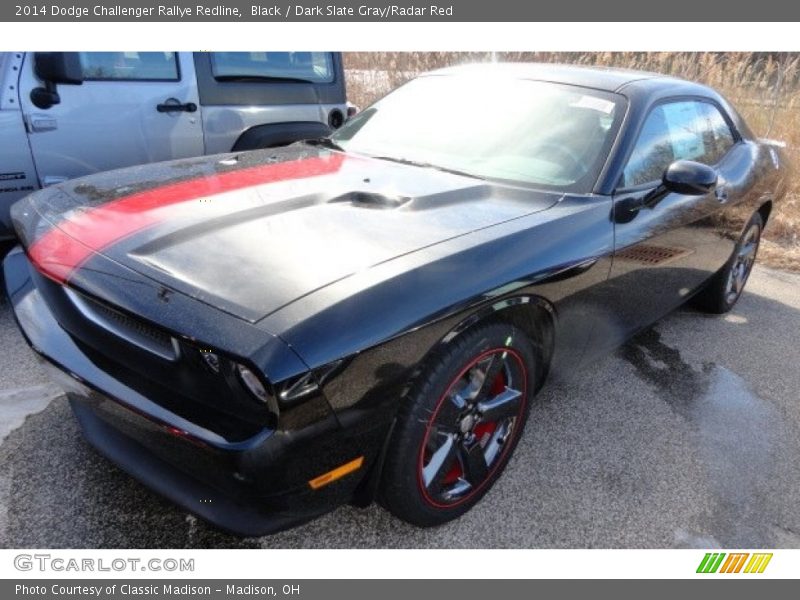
(427, 165)
(324, 142)
(272, 78)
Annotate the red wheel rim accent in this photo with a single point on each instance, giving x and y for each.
(507, 445)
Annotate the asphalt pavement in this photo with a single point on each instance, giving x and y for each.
(688, 437)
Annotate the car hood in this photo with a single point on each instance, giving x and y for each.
(251, 233)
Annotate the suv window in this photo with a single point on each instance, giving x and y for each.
(129, 66)
(686, 130)
(314, 67)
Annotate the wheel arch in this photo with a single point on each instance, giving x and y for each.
(271, 135)
(765, 209)
(534, 315)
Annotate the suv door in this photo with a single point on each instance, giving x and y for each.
(132, 108)
(263, 99)
(665, 250)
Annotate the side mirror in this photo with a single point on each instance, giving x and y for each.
(53, 68)
(58, 67)
(690, 178)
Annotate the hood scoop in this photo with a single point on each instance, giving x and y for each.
(362, 199)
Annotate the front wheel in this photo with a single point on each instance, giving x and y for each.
(459, 424)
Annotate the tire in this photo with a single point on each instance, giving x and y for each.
(454, 435)
(726, 286)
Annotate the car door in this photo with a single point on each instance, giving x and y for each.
(668, 244)
(132, 108)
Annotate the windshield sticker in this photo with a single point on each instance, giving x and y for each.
(604, 106)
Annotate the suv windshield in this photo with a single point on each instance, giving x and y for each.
(538, 133)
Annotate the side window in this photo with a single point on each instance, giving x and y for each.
(687, 130)
(653, 151)
(129, 66)
(311, 67)
(718, 137)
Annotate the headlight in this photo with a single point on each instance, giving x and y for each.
(252, 383)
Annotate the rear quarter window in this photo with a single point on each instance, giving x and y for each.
(129, 66)
(315, 67)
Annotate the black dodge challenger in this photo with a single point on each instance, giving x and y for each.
(263, 336)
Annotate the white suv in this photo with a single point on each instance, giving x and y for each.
(68, 114)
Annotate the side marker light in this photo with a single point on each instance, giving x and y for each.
(336, 473)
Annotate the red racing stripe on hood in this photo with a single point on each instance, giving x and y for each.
(65, 247)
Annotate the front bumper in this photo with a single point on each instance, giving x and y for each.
(251, 487)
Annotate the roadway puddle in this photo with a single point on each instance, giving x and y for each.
(18, 404)
(737, 435)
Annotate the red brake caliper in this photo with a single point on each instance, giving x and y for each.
(481, 431)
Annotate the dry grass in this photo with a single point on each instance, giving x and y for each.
(764, 87)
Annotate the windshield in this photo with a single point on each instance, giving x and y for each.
(544, 134)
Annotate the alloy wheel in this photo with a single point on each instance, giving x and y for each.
(742, 263)
(471, 427)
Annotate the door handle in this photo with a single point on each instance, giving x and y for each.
(37, 122)
(176, 107)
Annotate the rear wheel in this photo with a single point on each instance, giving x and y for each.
(725, 288)
(461, 421)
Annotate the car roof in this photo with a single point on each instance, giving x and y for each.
(600, 78)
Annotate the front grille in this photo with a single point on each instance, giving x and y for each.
(127, 328)
(167, 371)
(648, 254)
(199, 398)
